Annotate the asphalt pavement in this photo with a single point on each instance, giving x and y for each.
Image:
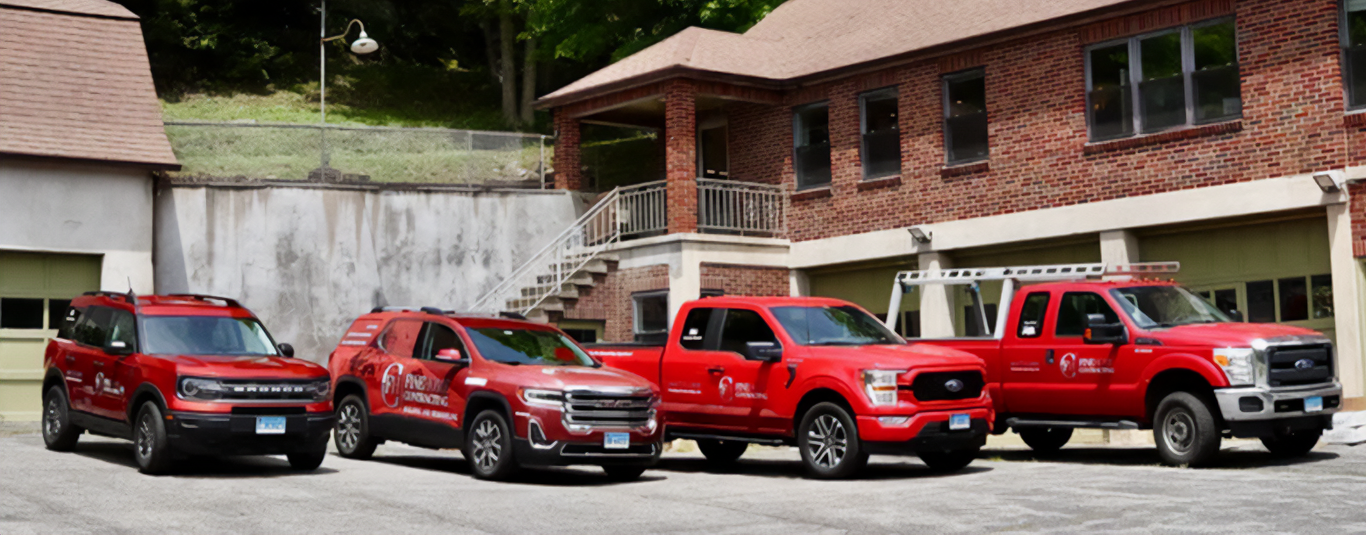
(1089, 489)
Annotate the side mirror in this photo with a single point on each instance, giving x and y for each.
(1237, 316)
(763, 351)
(286, 350)
(117, 348)
(452, 356)
(1099, 332)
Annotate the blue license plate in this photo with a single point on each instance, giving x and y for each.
(1314, 404)
(959, 422)
(270, 425)
(616, 441)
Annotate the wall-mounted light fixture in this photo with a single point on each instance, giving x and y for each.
(1328, 182)
(919, 235)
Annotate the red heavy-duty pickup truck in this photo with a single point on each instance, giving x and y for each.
(1079, 352)
(822, 374)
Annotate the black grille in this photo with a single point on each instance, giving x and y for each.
(934, 386)
(598, 450)
(1297, 405)
(1284, 365)
(605, 409)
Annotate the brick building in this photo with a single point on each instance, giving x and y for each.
(800, 156)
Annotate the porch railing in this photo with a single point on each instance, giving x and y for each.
(643, 209)
(742, 208)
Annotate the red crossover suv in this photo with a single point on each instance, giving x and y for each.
(181, 375)
(506, 392)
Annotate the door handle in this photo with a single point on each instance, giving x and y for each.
(70, 359)
(1048, 356)
(99, 364)
(716, 370)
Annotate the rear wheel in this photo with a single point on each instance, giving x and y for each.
(150, 446)
(623, 472)
(308, 460)
(352, 432)
(949, 461)
(1045, 440)
(828, 440)
(1185, 431)
(489, 447)
(722, 452)
(58, 432)
(1293, 444)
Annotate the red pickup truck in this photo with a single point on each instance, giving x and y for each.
(506, 392)
(1140, 354)
(822, 374)
(181, 375)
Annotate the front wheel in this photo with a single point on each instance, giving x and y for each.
(623, 472)
(150, 446)
(488, 447)
(949, 461)
(1045, 440)
(722, 452)
(59, 434)
(308, 461)
(1292, 444)
(828, 440)
(352, 432)
(1185, 431)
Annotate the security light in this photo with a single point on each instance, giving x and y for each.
(364, 45)
(1327, 182)
(920, 236)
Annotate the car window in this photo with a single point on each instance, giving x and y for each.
(436, 337)
(67, 328)
(400, 338)
(93, 328)
(206, 335)
(1074, 308)
(744, 326)
(695, 329)
(833, 326)
(1031, 315)
(123, 328)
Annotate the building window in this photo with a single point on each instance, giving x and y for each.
(1184, 76)
(1354, 52)
(650, 316)
(965, 117)
(19, 313)
(811, 137)
(881, 150)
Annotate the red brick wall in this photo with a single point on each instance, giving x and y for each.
(568, 163)
(610, 300)
(1358, 210)
(745, 280)
(680, 154)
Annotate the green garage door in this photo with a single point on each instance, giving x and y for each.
(34, 292)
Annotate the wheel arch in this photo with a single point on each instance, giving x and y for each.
(347, 385)
(52, 378)
(816, 395)
(484, 400)
(142, 394)
(1173, 380)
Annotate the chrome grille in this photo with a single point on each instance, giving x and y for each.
(607, 409)
(1285, 365)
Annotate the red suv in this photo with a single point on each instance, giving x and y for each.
(506, 392)
(181, 375)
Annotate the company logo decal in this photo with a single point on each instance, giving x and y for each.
(389, 386)
(1304, 364)
(729, 390)
(726, 389)
(953, 385)
(1068, 365)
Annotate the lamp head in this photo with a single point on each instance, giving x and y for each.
(1327, 182)
(364, 45)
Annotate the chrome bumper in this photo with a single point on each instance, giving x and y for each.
(1229, 401)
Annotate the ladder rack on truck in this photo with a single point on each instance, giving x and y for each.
(1012, 277)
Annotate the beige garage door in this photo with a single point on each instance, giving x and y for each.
(34, 292)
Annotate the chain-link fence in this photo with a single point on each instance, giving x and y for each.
(250, 151)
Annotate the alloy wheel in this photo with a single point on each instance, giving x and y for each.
(488, 445)
(348, 427)
(827, 441)
(1179, 431)
(146, 438)
(53, 418)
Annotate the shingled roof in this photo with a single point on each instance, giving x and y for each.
(802, 38)
(75, 83)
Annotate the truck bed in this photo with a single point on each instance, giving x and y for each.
(640, 359)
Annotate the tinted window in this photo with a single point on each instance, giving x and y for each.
(123, 328)
(1074, 308)
(1294, 299)
(965, 117)
(67, 324)
(812, 145)
(93, 329)
(206, 335)
(437, 337)
(695, 329)
(18, 313)
(401, 337)
(527, 346)
(1261, 302)
(1031, 315)
(742, 327)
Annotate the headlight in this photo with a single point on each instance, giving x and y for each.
(320, 389)
(1237, 363)
(880, 385)
(544, 398)
(194, 388)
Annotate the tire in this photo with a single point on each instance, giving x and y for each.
(1045, 440)
(308, 460)
(58, 432)
(488, 447)
(1294, 444)
(944, 462)
(352, 430)
(828, 440)
(150, 446)
(1185, 431)
(623, 473)
(722, 452)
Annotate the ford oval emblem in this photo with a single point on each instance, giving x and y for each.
(953, 385)
(1304, 364)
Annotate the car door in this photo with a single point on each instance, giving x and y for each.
(116, 372)
(1028, 363)
(92, 329)
(688, 389)
(435, 389)
(1085, 373)
(394, 360)
(742, 385)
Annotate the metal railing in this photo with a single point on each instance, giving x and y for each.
(743, 208)
(643, 209)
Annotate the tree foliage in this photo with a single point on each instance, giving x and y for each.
(613, 29)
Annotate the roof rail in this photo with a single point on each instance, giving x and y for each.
(126, 297)
(512, 315)
(408, 308)
(202, 297)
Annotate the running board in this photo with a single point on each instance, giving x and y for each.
(1122, 424)
(752, 440)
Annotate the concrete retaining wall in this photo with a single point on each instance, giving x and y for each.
(308, 260)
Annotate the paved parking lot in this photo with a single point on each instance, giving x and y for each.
(409, 490)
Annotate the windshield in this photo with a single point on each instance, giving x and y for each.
(205, 335)
(833, 326)
(525, 346)
(1153, 307)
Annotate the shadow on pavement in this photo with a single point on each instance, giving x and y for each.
(791, 469)
(200, 467)
(1147, 456)
(579, 476)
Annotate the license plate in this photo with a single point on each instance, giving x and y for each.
(959, 422)
(270, 425)
(616, 441)
(1314, 404)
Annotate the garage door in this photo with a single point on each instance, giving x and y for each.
(34, 292)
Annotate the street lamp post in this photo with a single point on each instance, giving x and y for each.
(361, 46)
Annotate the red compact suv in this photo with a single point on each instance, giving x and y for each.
(506, 392)
(181, 375)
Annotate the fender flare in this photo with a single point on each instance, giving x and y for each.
(496, 398)
(138, 392)
(351, 380)
(1183, 361)
(56, 375)
(829, 383)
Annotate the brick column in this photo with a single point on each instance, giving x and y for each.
(568, 165)
(680, 154)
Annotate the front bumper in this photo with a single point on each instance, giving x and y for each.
(927, 431)
(1255, 403)
(198, 433)
(567, 453)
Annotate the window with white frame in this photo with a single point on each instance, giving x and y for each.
(811, 140)
(1169, 79)
(881, 147)
(1354, 52)
(965, 117)
(650, 316)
